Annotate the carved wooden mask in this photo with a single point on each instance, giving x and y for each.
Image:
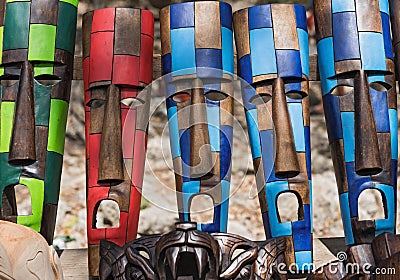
(357, 77)
(197, 59)
(187, 253)
(117, 65)
(37, 43)
(25, 254)
(272, 46)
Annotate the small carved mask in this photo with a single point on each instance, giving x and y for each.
(197, 61)
(187, 253)
(272, 47)
(117, 65)
(357, 77)
(25, 254)
(37, 43)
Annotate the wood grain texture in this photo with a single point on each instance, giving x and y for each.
(25, 254)
(286, 163)
(337, 153)
(264, 116)
(260, 183)
(86, 32)
(367, 158)
(44, 12)
(111, 166)
(363, 231)
(345, 66)
(385, 177)
(242, 38)
(200, 150)
(22, 146)
(385, 245)
(165, 29)
(323, 18)
(368, 16)
(285, 32)
(207, 25)
(127, 35)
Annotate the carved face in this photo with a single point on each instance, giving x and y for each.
(118, 56)
(25, 254)
(197, 59)
(38, 41)
(357, 77)
(272, 45)
(188, 253)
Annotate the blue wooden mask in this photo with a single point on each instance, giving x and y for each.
(272, 47)
(357, 77)
(197, 61)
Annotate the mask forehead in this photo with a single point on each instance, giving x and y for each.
(42, 31)
(353, 36)
(273, 42)
(197, 40)
(118, 47)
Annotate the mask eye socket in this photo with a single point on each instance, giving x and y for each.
(260, 99)
(342, 90)
(382, 87)
(9, 80)
(132, 102)
(47, 80)
(297, 95)
(96, 103)
(181, 97)
(215, 95)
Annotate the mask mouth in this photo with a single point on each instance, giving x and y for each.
(21, 162)
(16, 201)
(187, 263)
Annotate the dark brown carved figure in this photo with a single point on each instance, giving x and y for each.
(37, 45)
(357, 79)
(187, 253)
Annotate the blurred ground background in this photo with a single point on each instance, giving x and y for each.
(159, 204)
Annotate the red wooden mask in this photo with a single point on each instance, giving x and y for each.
(117, 65)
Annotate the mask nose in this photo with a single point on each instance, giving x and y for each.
(111, 161)
(367, 157)
(286, 163)
(22, 148)
(200, 150)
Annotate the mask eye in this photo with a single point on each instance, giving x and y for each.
(216, 95)
(132, 102)
(342, 90)
(260, 99)
(296, 94)
(47, 80)
(382, 87)
(96, 103)
(9, 80)
(181, 97)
